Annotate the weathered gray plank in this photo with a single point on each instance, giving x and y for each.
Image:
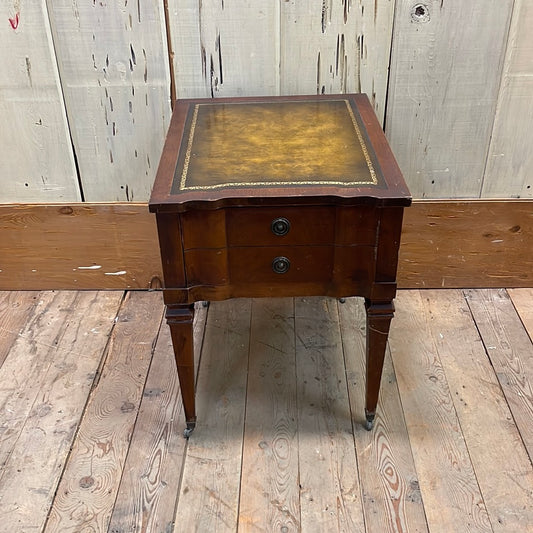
(91, 478)
(225, 48)
(336, 47)
(15, 310)
(452, 497)
(149, 485)
(498, 455)
(37, 163)
(510, 159)
(391, 493)
(523, 302)
(269, 488)
(446, 65)
(510, 351)
(113, 61)
(330, 495)
(49, 374)
(209, 493)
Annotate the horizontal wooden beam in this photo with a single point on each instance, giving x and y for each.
(454, 243)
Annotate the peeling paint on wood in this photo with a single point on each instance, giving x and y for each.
(510, 159)
(224, 49)
(336, 47)
(114, 68)
(442, 93)
(37, 163)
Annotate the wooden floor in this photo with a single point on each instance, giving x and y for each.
(91, 421)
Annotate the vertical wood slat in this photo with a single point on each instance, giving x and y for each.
(211, 476)
(225, 48)
(336, 47)
(446, 64)
(113, 62)
(510, 159)
(37, 162)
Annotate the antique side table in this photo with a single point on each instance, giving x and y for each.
(278, 196)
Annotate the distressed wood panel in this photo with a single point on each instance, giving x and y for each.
(108, 246)
(113, 61)
(511, 353)
(224, 48)
(510, 159)
(270, 491)
(330, 493)
(50, 371)
(211, 474)
(146, 498)
(339, 46)
(452, 497)
(467, 244)
(114, 246)
(392, 500)
(482, 410)
(37, 162)
(446, 64)
(523, 302)
(90, 481)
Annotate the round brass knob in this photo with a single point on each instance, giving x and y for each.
(280, 226)
(280, 265)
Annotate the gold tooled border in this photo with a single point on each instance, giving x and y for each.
(186, 161)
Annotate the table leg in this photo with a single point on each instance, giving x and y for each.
(378, 318)
(180, 319)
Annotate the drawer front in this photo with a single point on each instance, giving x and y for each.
(267, 226)
(280, 264)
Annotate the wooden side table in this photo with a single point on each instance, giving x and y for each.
(280, 196)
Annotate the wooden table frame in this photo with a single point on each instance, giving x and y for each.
(220, 242)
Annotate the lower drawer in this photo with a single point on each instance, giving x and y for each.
(283, 264)
(278, 265)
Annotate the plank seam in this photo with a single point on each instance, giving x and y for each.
(96, 380)
(122, 471)
(352, 414)
(458, 418)
(244, 418)
(502, 390)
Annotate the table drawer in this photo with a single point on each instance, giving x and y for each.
(279, 264)
(250, 265)
(280, 226)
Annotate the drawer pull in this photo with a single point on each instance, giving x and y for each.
(280, 226)
(280, 265)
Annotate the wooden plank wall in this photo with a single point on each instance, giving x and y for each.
(86, 86)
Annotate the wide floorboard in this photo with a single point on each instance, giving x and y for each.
(91, 418)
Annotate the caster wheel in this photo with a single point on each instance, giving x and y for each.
(190, 428)
(369, 423)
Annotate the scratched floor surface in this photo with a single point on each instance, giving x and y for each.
(91, 419)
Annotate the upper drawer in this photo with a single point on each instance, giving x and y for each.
(267, 226)
(275, 226)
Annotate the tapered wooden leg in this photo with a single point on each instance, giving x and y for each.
(378, 318)
(180, 319)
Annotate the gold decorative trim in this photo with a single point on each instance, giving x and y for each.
(186, 162)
